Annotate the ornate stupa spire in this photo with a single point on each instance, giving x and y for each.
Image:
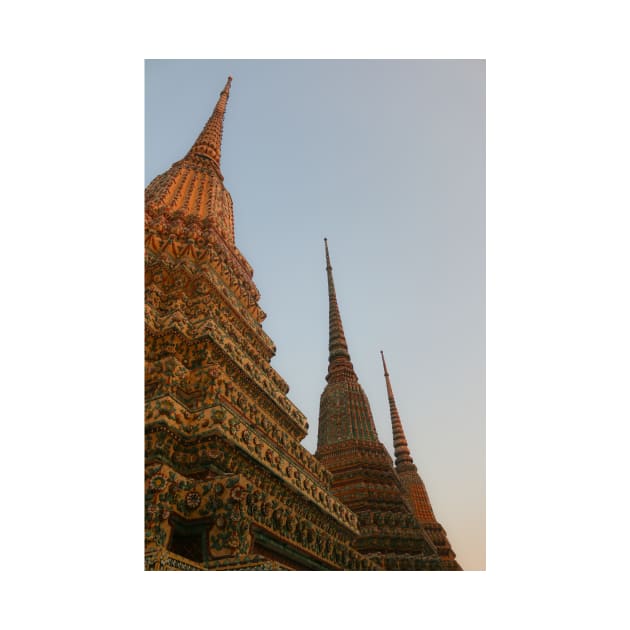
(363, 475)
(401, 448)
(208, 144)
(345, 412)
(194, 186)
(339, 364)
(414, 488)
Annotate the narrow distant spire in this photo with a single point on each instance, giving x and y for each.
(339, 363)
(401, 448)
(208, 144)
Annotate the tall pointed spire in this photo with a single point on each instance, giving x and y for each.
(339, 364)
(401, 448)
(344, 412)
(414, 488)
(208, 144)
(363, 475)
(406, 469)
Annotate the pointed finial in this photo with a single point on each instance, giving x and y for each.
(339, 363)
(401, 448)
(208, 144)
(384, 364)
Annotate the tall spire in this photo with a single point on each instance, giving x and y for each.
(339, 364)
(208, 144)
(401, 448)
(344, 410)
(363, 476)
(414, 488)
(407, 471)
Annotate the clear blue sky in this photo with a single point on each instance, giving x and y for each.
(387, 160)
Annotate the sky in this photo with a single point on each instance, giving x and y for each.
(387, 160)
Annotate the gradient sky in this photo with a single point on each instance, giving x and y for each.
(387, 160)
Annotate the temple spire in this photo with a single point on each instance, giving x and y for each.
(339, 364)
(208, 144)
(401, 448)
(414, 488)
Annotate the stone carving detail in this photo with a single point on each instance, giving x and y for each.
(163, 441)
(221, 501)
